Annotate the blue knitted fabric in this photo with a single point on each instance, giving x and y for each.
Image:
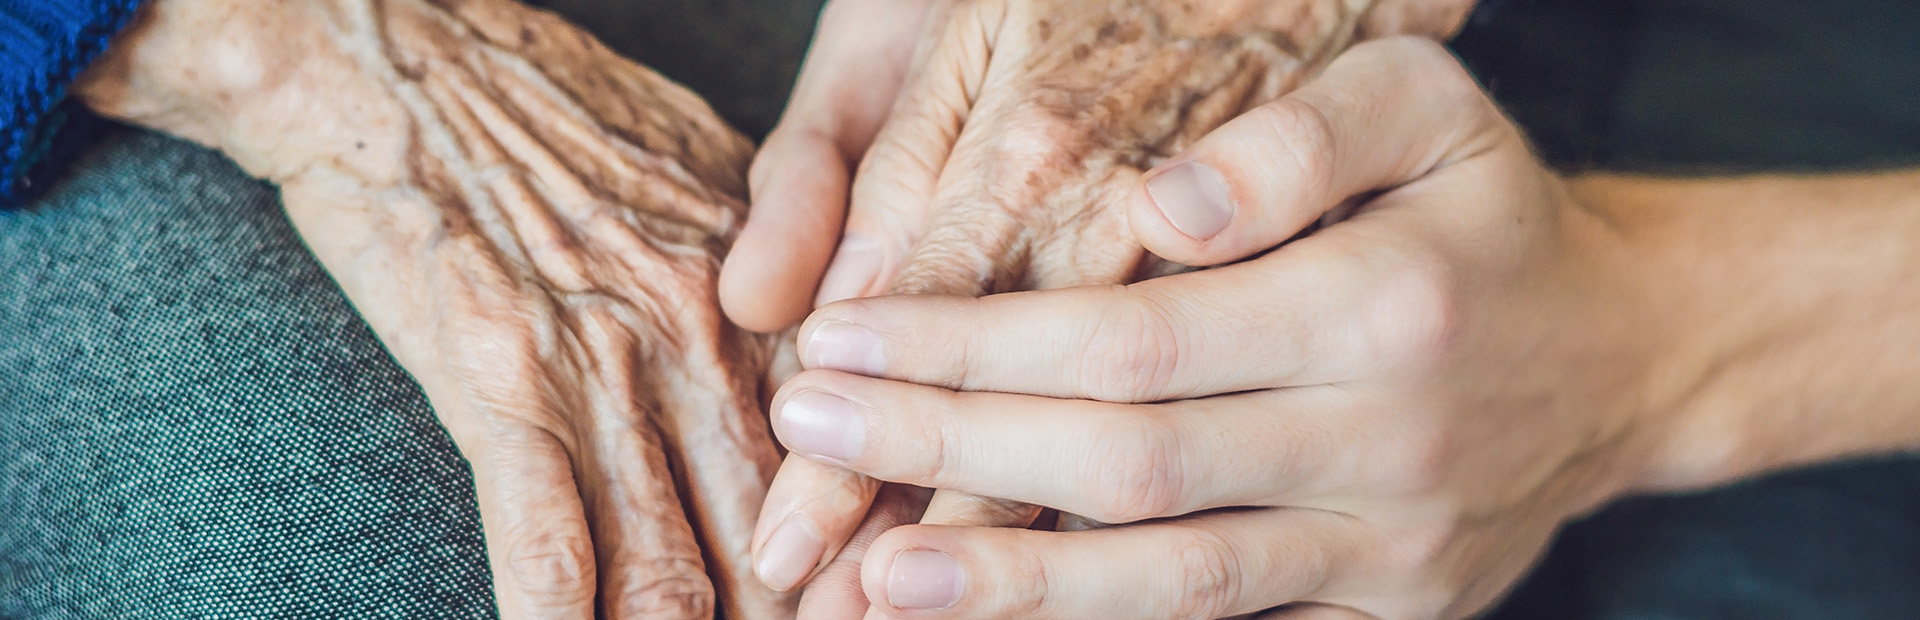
(44, 44)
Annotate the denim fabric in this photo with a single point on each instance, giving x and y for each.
(195, 424)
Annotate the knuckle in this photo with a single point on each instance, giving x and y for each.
(1416, 552)
(1027, 587)
(1135, 471)
(1416, 314)
(1206, 581)
(676, 589)
(1035, 157)
(963, 260)
(1427, 57)
(1415, 464)
(1035, 146)
(1417, 48)
(1421, 601)
(1441, 79)
(1131, 353)
(552, 568)
(969, 249)
(1305, 136)
(934, 454)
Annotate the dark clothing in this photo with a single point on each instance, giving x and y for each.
(44, 45)
(194, 423)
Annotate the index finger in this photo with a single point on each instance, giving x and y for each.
(1301, 316)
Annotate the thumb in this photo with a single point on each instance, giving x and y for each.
(801, 177)
(1385, 113)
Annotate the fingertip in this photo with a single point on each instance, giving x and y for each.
(1192, 197)
(791, 554)
(823, 426)
(1210, 206)
(850, 311)
(744, 290)
(811, 512)
(799, 186)
(907, 571)
(1155, 232)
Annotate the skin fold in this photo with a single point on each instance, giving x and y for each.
(995, 145)
(533, 226)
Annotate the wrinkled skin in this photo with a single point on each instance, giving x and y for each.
(533, 226)
(994, 138)
(995, 156)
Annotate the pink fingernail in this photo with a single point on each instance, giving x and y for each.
(924, 579)
(790, 553)
(822, 425)
(852, 271)
(844, 347)
(1195, 199)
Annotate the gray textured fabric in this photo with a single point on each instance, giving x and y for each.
(194, 423)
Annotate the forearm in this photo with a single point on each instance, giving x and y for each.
(1792, 306)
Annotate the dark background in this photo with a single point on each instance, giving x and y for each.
(1625, 84)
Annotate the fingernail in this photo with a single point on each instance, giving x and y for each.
(853, 268)
(790, 553)
(845, 347)
(1194, 198)
(822, 425)
(923, 579)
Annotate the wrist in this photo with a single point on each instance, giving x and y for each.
(1605, 332)
(370, 91)
(1666, 279)
(1782, 310)
(247, 79)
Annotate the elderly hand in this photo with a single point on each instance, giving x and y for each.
(995, 157)
(1387, 418)
(533, 226)
(997, 154)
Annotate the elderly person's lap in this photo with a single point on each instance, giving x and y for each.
(194, 421)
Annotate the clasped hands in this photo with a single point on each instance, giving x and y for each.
(1388, 417)
(1373, 420)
